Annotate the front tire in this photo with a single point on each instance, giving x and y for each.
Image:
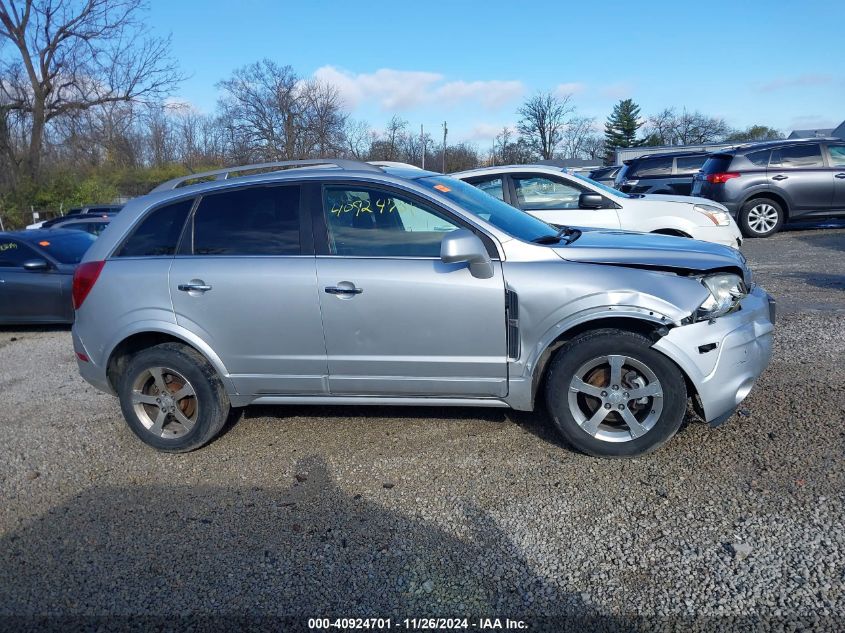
(611, 395)
(172, 398)
(761, 217)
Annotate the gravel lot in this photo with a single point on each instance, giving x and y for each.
(387, 512)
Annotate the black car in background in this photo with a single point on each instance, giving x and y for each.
(98, 209)
(605, 175)
(667, 173)
(766, 184)
(36, 274)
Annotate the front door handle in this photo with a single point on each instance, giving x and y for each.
(839, 176)
(780, 177)
(335, 290)
(195, 285)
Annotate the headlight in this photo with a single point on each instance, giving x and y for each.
(715, 214)
(726, 289)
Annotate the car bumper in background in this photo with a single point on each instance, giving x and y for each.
(724, 375)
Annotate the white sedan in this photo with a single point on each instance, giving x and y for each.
(559, 197)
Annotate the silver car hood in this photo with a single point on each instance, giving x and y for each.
(647, 250)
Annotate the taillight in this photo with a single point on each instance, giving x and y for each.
(722, 177)
(84, 279)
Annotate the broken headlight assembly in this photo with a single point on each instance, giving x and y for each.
(726, 290)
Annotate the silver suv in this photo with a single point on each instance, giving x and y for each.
(337, 282)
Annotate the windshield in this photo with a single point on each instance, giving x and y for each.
(67, 248)
(603, 187)
(500, 214)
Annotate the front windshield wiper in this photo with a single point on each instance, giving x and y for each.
(563, 232)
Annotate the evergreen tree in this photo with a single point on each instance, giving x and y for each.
(621, 127)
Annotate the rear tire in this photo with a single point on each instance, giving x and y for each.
(611, 395)
(761, 217)
(172, 398)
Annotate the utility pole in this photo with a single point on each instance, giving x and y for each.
(422, 142)
(445, 132)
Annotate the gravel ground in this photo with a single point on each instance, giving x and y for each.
(408, 513)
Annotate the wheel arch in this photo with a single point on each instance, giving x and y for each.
(132, 343)
(673, 232)
(647, 327)
(767, 194)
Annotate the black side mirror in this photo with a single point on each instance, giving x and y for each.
(36, 265)
(590, 201)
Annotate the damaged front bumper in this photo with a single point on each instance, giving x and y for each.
(724, 357)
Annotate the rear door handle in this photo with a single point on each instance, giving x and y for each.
(780, 177)
(839, 176)
(194, 286)
(334, 290)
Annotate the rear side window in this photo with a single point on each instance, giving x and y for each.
(490, 186)
(837, 155)
(797, 156)
(760, 159)
(158, 234)
(717, 164)
(254, 221)
(652, 167)
(690, 164)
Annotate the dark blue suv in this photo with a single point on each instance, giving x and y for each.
(766, 184)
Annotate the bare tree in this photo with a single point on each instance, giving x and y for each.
(73, 55)
(388, 146)
(661, 128)
(688, 128)
(323, 119)
(358, 137)
(269, 113)
(544, 118)
(511, 149)
(575, 137)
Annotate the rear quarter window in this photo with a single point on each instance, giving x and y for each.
(759, 159)
(717, 164)
(158, 234)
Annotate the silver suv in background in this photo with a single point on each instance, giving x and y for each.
(336, 282)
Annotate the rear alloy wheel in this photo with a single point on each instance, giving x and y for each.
(610, 394)
(760, 217)
(172, 398)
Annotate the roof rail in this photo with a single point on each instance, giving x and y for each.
(224, 174)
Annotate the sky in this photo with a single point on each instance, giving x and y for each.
(472, 64)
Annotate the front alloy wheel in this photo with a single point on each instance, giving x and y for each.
(615, 398)
(610, 394)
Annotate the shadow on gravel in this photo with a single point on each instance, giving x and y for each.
(820, 280)
(253, 555)
(834, 240)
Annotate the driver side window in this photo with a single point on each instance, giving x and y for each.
(537, 193)
(369, 222)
